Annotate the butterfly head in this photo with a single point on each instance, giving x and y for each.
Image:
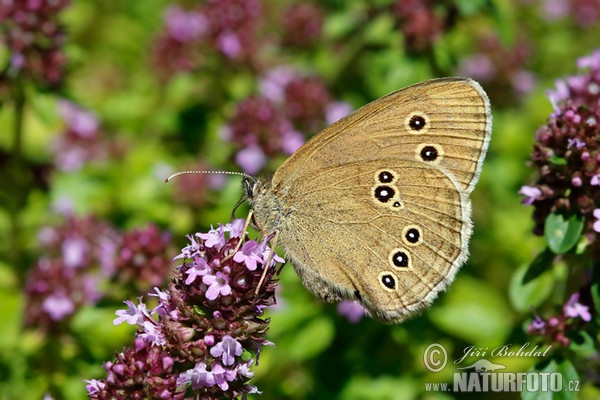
(250, 187)
(259, 194)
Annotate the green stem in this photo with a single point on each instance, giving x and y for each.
(17, 165)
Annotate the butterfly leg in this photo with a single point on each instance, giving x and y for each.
(267, 264)
(239, 243)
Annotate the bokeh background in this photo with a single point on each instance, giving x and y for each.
(101, 100)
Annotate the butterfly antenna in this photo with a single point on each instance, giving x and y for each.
(207, 172)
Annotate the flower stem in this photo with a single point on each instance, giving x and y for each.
(17, 166)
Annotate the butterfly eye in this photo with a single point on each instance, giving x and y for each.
(417, 122)
(384, 193)
(385, 176)
(400, 259)
(388, 281)
(430, 153)
(412, 235)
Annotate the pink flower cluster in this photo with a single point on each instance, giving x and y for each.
(81, 256)
(34, 37)
(207, 330)
(567, 151)
(557, 328)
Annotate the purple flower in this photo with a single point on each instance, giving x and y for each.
(163, 308)
(267, 251)
(592, 61)
(189, 250)
(575, 142)
(162, 295)
(218, 285)
(199, 268)
(274, 82)
(209, 340)
(236, 228)
(575, 309)
(222, 375)
(336, 110)
(291, 141)
(595, 181)
(81, 140)
(532, 193)
(185, 26)
(106, 255)
(251, 159)
(572, 117)
(553, 10)
(250, 254)
(421, 26)
(17, 61)
(200, 377)
(478, 66)
(243, 369)
(558, 95)
(152, 333)
(229, 44)
(352, 310)
(58, 306)
(83, 123)
(74, 252)
(135, 315)
(214, 238)
(94, 386)
(596, 225)
(523, 81)
(538, 323)
(227, 348)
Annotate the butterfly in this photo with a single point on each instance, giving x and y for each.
(376, 207)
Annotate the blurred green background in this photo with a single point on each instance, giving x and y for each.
(156, 118)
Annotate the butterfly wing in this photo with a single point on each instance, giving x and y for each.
(455, 116)
(376, 206)
(393, 245)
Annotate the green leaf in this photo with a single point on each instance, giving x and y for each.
(562, 232)
(571, 380)
(503, 14)
(569, 386)
(471, 7)
(595, 289)
(525, 293)
(581, 342)
(380, 388)
(474, 311)
(312, 339)
(540, 264)
(554, 159)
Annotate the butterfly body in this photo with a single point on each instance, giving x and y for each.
(376, 207)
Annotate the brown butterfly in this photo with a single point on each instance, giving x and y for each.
(376, 206)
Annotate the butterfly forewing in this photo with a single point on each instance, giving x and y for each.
(456, 116)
